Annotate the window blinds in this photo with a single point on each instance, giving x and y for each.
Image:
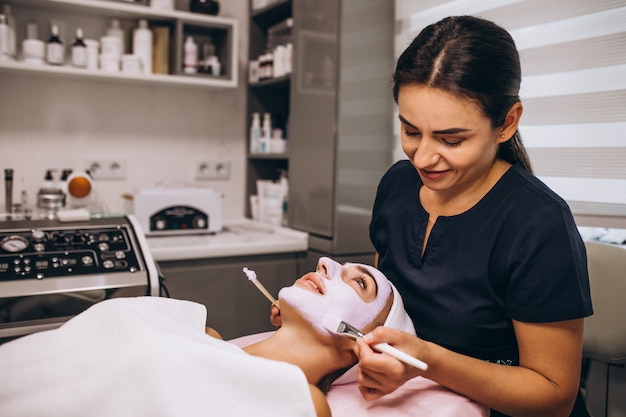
(573, 55)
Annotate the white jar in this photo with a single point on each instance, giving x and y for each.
(93, 47)
(109, 63)
(111, 45)
(131, 64)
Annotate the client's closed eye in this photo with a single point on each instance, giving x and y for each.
(362, 281)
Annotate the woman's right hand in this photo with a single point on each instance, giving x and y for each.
(275, 318)
(379, 373)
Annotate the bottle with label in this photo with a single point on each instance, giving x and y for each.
(10, 20)
(266, 133)
(55, 52)
(255, 133)
(116, 31)
(33, 49)
(79, 50)
(190, 58)
(5, 53)
(142, 45)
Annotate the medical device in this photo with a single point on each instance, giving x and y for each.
(52, 270)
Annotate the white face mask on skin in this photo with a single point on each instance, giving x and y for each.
(339, 298)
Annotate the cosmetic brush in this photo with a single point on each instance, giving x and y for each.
(252, 277)
(341, 328)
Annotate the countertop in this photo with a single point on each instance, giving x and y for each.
(237, 238)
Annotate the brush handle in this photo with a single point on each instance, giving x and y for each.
(265, 292)
(400, 355)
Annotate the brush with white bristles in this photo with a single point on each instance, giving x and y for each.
(341, 328)
(252, 277)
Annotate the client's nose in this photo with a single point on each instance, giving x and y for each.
(326, 267)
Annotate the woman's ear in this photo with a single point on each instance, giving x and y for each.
(511, 122)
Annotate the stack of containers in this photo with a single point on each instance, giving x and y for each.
(276, 61)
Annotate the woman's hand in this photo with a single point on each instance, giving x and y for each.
(379, 373)
(275, 318)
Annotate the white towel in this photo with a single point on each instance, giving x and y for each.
(144, 356)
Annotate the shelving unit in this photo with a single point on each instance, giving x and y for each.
(267, 96)
(94, 16)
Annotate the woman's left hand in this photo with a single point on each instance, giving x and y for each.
(379, 373)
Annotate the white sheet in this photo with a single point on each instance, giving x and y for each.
(144, 356)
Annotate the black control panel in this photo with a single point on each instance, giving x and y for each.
(179, 218)
(41, 252)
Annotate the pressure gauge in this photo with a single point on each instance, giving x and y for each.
(14, 243)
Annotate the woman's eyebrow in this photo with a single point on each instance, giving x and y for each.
(450, 131)
(368, 273)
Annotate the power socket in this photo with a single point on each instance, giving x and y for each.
(106, 168)
(212, 170)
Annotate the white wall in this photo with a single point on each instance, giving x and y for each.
(55, 123)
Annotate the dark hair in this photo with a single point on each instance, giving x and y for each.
(472, 58)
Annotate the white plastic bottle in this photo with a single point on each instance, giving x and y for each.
(266, 133)
(5, 53)
(255, 133)
(55, 51)
(190, 58)
(12, 30)
(115, 30)
(33, 49)
(142, 45)
(79, 50)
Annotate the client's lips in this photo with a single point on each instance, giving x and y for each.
(312, 282)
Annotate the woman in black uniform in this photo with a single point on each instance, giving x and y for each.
(487, 258)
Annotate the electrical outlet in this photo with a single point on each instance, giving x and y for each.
(212, 170)
(106, 168)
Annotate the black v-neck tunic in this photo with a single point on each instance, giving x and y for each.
(515, 255)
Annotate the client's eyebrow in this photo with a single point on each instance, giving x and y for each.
(450, 131)
(368, 273)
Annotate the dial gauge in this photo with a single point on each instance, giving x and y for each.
(14, 243)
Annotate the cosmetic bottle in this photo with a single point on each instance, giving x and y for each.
(55, 52)
(142, 45)
(190, 59)
(6, 11)
(266, 133)
(255, 133)
(10, 20)
(5, 54)
(33, 49)
(79, 50)
(116, 31)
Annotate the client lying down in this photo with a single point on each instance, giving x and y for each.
(150, 356)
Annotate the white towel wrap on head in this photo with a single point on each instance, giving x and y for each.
(397, 319)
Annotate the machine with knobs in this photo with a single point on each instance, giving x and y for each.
(50, 271)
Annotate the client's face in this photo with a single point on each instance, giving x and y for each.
(354, 293)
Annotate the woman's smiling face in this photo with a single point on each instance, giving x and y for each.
(447, 138)
(354, 293)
